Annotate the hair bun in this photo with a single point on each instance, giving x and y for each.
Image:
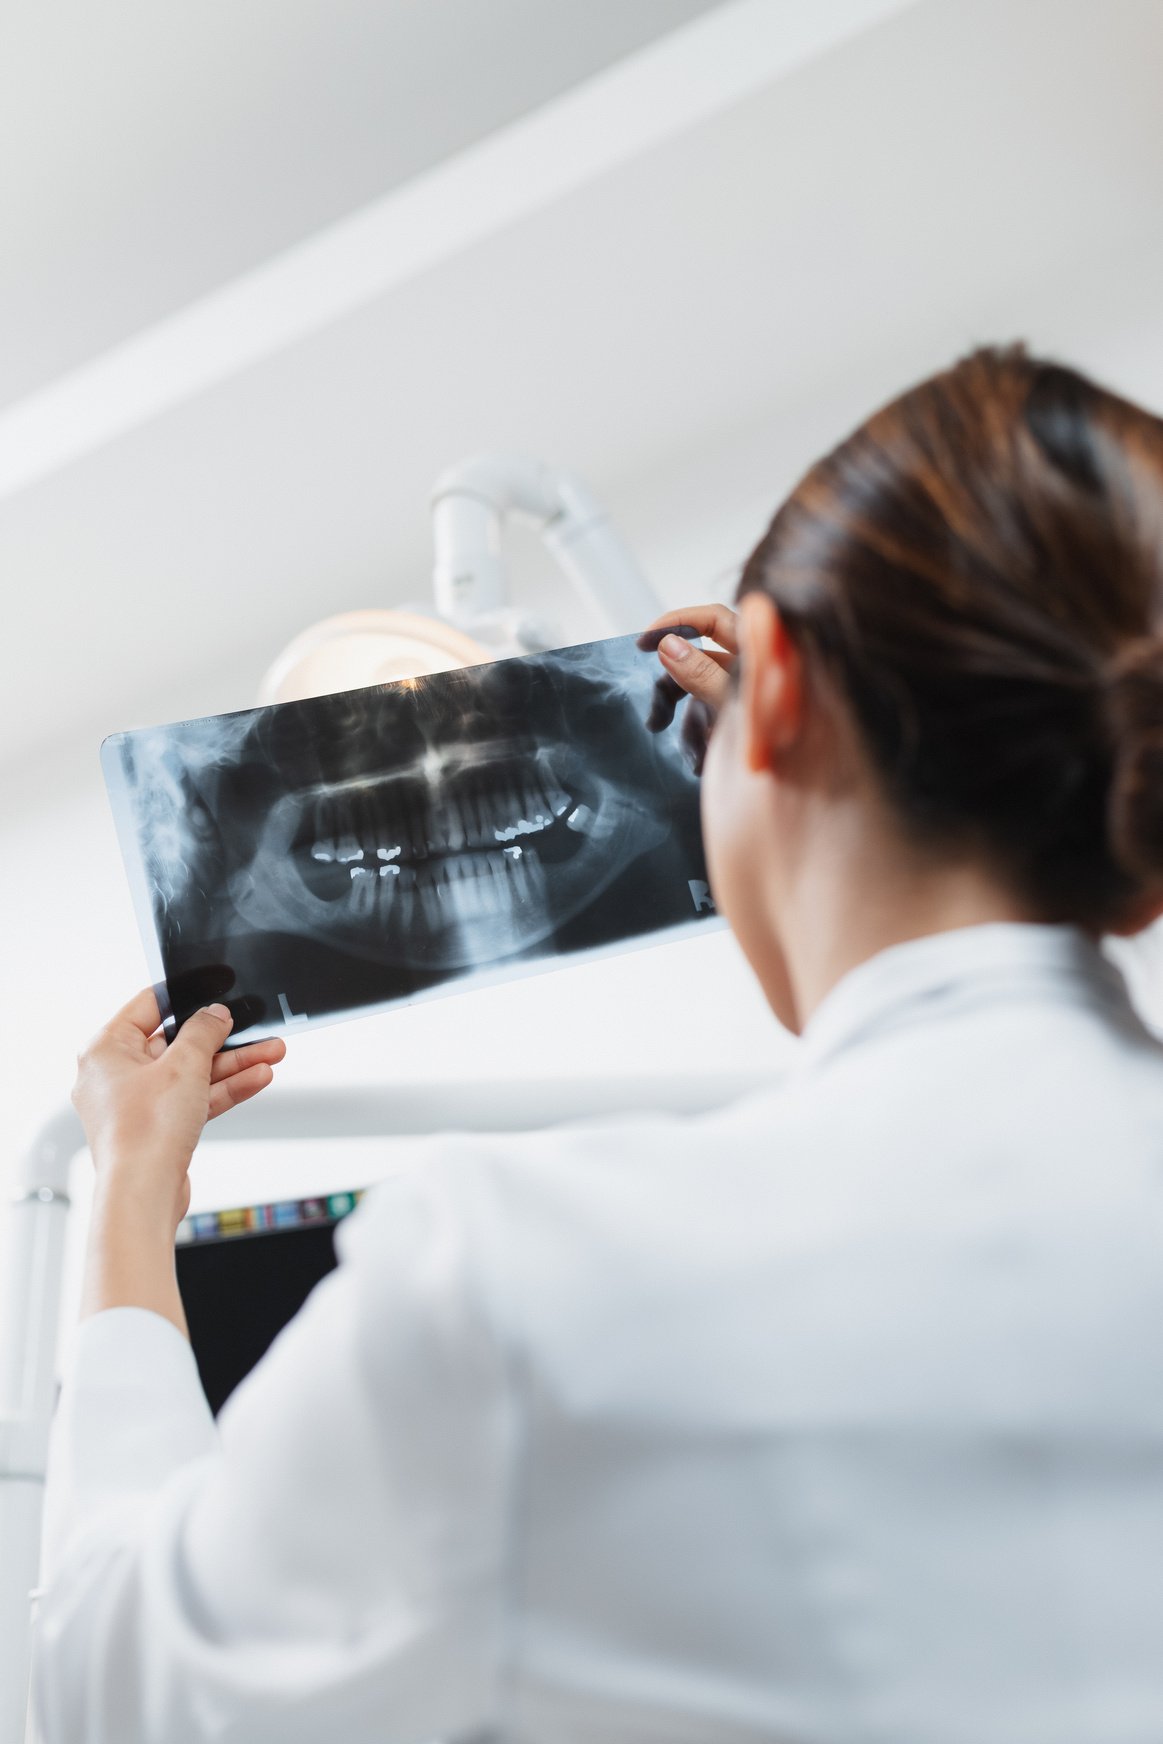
(1134, 687)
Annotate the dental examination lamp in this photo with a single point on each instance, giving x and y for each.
(474, 620)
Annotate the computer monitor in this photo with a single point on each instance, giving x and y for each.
(244, 1273)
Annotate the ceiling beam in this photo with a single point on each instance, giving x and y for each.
(651, 96)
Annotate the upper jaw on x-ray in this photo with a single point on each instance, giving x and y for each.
(441, 825)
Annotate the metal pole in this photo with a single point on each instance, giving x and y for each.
(31, 1282)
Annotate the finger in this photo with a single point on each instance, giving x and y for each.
(649, 639)
(696, 734)
(664, 699)
(225, 1065)
(668, 693)
(717, 621)
(726, 661)
(200, 1038)
(229, 1092)
(696, 672)
(138, 1018)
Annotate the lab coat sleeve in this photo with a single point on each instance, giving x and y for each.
(329, 1559)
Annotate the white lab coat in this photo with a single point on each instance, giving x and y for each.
(834, 1416)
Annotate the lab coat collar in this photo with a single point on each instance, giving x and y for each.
(921, 979)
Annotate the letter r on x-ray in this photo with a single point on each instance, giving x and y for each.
(700, 894)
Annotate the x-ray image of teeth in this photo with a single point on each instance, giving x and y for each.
(314, 860)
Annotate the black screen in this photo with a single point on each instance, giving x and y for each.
(241, 1291)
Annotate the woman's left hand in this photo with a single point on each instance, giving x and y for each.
(143, 1105)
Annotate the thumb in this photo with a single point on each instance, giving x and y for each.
(699, 674)
(201, 1036)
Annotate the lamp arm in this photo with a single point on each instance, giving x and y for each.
(470, 503)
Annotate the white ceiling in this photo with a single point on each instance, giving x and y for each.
(153, 150)
(710, 312)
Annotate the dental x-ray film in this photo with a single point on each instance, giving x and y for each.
(310, 861)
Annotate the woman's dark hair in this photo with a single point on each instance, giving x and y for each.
(979, 571)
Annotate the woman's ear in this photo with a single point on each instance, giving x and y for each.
(771, 690)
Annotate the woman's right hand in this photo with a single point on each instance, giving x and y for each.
(700, 673)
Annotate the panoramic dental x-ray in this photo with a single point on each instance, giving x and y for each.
(313, 860)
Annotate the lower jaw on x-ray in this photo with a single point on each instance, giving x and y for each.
(313, 860)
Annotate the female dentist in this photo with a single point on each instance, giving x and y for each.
(837, 1415)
